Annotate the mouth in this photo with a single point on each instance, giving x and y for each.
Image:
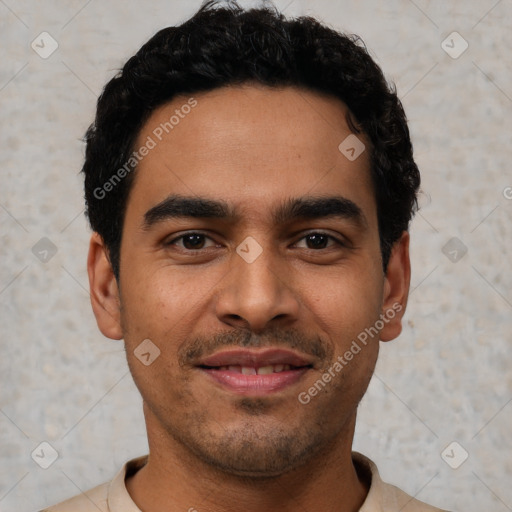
(255, 373)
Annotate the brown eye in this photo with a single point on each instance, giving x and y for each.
(318, 241)
(192, 241)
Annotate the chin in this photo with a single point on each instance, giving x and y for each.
(250, 452)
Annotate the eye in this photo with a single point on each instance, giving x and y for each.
(195, 241)
(320, 240)
(191, 241)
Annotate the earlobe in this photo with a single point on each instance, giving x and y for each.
(104, 290)
(396, 289)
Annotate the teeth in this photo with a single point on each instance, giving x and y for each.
(262, 370)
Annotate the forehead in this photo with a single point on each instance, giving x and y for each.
(250, 146)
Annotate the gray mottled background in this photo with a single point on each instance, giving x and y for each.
(446, 379)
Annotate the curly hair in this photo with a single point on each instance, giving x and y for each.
(226, 45)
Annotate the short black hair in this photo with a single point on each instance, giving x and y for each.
(224, 44)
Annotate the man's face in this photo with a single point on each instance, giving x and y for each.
(223, 292)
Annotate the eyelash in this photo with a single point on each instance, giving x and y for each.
(321, 233)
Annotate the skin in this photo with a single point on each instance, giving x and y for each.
(252, 147)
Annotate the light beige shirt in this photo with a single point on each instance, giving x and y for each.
(113, 497)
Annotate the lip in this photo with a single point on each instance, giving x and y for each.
(256, 359)
(255, 385)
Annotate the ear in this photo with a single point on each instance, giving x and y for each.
(396, 289)
(104, 290)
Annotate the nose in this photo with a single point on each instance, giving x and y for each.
(258, 295)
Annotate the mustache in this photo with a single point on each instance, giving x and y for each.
(189, 353)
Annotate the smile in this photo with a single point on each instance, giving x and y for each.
(255, 373)
(262, 370)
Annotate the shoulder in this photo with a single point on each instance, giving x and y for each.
(396, 499)
(108, 497)
(384, 497)
(90, 501)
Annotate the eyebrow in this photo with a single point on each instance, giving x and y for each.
(293, 209)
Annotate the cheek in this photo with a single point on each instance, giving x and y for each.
(156, 300)
(343, 303)
(153, 310)
(165, 308)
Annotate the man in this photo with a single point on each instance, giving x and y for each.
(249, 180)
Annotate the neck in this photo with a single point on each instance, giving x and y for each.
(174, 479)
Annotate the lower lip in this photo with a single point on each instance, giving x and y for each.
(255, 384)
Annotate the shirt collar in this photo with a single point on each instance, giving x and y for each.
(119, 499)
